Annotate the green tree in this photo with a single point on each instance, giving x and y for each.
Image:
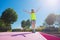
(28, 24)
(9, 16)
(23, 24)
(58, 22)
(50, 19)
(2, 26)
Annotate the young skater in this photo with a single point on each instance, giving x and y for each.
(33, 18)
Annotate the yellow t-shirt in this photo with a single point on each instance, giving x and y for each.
(33, 16)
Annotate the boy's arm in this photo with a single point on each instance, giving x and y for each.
(26, 11)
(37, 10)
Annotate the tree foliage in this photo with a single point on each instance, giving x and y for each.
(2, 26)
(58, 18)
(25, 24)
(28, 23)
(9, 16)
(50, 19)
(58, 21)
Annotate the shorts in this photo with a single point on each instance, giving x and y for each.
(33, 21)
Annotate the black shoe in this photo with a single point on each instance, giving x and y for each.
(33, 31)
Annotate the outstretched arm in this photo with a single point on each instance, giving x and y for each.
(26, 11)
(37, 10)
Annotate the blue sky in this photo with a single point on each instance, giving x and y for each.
(46, 7)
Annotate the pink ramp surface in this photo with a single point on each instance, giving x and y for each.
(49, 37)
(21, 36)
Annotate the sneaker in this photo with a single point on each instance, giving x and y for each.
(33, 31)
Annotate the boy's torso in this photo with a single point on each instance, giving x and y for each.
(33, 16)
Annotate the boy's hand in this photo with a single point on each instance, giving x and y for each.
(26, 11)
(37, 9)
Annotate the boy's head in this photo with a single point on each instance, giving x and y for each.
(32, 10)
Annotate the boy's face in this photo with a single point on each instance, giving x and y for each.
(32, 10)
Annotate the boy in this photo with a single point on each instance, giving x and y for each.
(33, 19)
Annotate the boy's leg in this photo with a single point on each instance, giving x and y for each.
(33, 26)
(33, 30)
